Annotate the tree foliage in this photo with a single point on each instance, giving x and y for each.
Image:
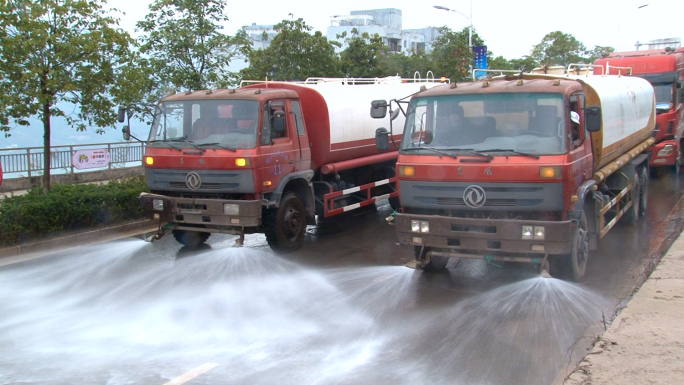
(59, 51)
(558, 48)
(451, 56)
(363, 56)
(294, 54)
(185, 45)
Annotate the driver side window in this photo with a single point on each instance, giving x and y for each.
(576, 133)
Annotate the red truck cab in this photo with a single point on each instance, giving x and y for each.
(664, 69)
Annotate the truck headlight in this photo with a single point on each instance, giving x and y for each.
(539, 232)
(420, 226)
(415, 226)
(158, 204)
(231, 209)
(666, 151)
(527, 232)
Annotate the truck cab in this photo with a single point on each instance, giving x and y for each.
(213, 157)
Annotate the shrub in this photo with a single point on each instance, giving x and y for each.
(37, 215)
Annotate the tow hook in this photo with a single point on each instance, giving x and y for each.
(544, 273)
(156, 236)
(390, 219)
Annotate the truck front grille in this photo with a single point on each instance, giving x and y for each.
(499, 196)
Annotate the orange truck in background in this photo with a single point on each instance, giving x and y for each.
(664, 69)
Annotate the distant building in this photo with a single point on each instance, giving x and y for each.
(384, 22)
(419, 40)
(261, 35)
(387, 23)
(673, 43)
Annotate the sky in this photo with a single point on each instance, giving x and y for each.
(509, 28)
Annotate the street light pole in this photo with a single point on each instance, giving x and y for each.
(470, 20)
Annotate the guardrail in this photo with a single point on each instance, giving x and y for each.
(30, 160)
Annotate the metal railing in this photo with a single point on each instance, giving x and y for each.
(30, 160)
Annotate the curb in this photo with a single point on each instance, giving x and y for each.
(80, 238)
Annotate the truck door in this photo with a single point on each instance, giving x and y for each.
(278, 150)
(303, 157)
(580, 142)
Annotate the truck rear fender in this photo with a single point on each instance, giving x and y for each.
(300, 183)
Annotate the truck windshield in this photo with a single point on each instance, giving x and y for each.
(222, 123)
(663, 93)
(526, 123)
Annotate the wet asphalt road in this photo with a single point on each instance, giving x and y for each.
(342, 310)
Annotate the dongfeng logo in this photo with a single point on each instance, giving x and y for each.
(193, 181)
(474, 196)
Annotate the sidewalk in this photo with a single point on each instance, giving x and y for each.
(645, 343)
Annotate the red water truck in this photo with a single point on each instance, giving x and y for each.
(664, 69)
(526, 168)
(267, 157)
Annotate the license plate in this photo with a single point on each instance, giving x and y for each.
(190, 211)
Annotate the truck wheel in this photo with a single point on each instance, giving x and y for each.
(436, 263)
(286, 226)
(191, 239)
(643, 202)
(574, 265)
(632, 215)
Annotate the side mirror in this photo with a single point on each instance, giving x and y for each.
(279, 121)
(378, 109)
(121, 117)
(593, 119)
(126, 133)
(382, 139)
(394, 114)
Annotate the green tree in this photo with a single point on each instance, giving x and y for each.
(598, 52)
(185, 45)
(558, 48)
(56, 51)
(406, 66)
(363, 56)
(451, 55)
(294, 54)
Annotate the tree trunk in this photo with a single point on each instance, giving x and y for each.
(47, 156)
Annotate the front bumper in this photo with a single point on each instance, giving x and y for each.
(202, 212)
(485, 237)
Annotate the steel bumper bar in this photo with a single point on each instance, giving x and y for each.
(485, 237)
(209, 213)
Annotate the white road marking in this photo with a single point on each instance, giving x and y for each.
(192, 374)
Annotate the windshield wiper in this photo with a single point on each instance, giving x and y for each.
(167, 143)
(535, 156)
(471, 151)
(431, 149)
(183, 140)
(218, 145)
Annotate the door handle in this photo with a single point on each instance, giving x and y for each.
(290, 162)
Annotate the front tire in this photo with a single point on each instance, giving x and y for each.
(286, 226)
(191, 239)
(574, 265)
